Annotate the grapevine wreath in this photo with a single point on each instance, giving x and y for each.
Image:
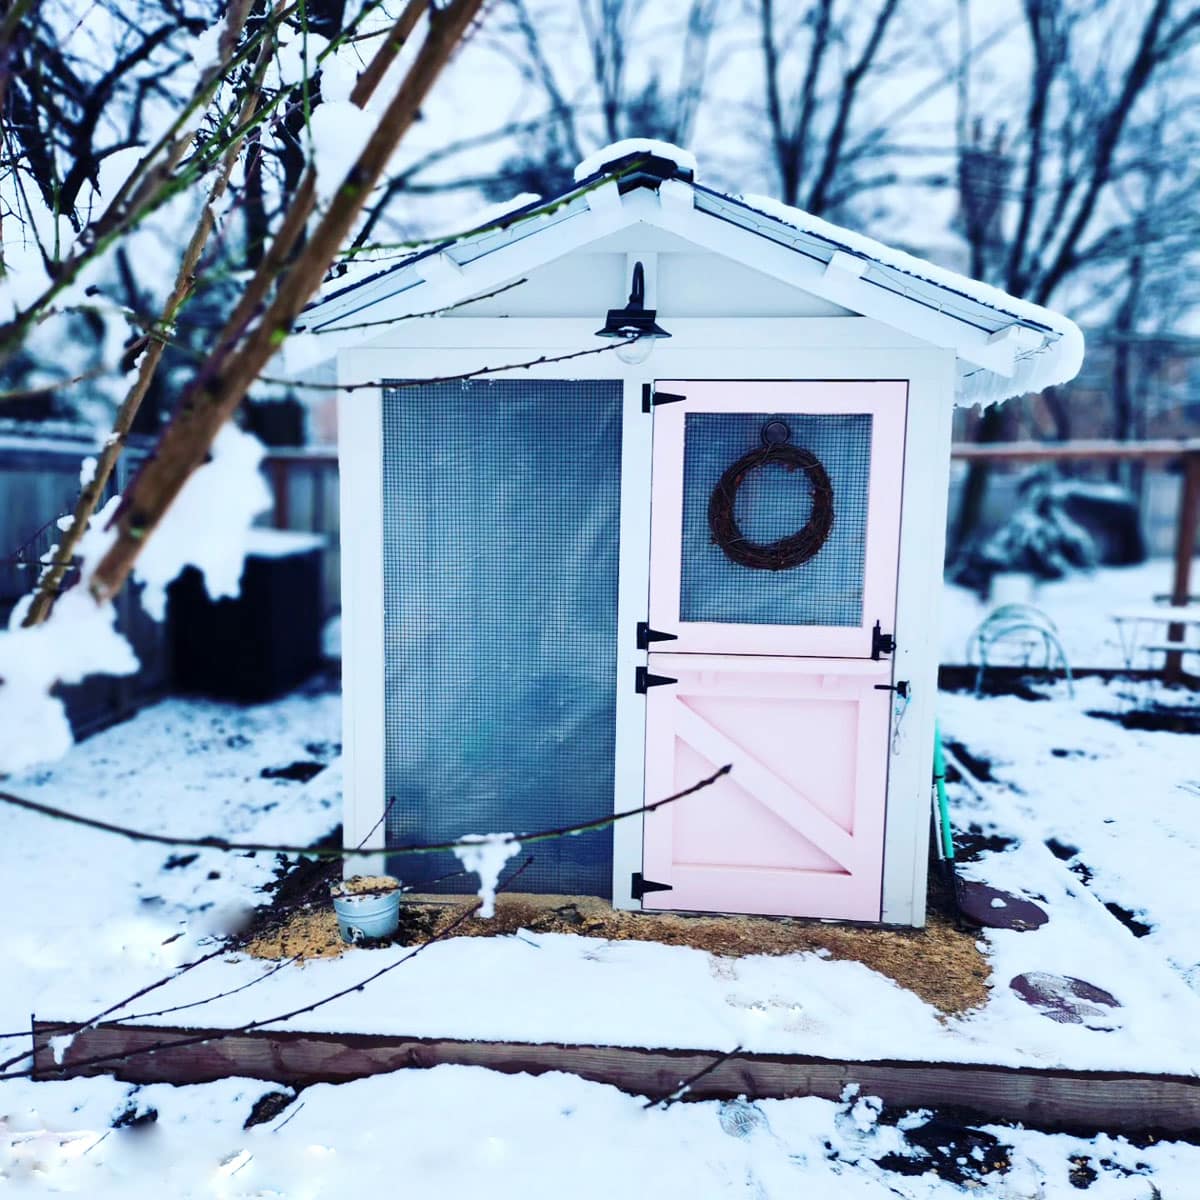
(786, 552)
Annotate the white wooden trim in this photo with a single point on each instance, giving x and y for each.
(917, 631)
(799, 270)
(632, 597)
(543, 334)
(360, 457)
(839, 287)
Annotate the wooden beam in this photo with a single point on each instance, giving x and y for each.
(1185, 548)
(1118, 1102)
(1161, 450)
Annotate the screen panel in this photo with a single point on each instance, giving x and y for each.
(501, 516)
(771, 503)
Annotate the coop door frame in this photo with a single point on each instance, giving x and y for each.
(885, 401)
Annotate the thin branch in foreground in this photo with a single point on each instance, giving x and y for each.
(686, 1085)
(77, 1027)
(231, 946)
(479, 373)
(431, 312)
(221, 383)
(249, 1026)
(216, 843)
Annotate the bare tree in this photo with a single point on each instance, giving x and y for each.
(811, 121)
(600, 71)
(1079, 156)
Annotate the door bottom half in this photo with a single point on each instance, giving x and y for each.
(797, 826)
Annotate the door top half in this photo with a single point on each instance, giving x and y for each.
(775, 516)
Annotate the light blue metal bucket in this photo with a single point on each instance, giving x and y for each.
(368, 916)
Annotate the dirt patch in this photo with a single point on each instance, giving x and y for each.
(1157, 718)
(297, 772)
(363, 885)
(941, 964)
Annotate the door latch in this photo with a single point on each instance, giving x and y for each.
(900, 687)
(881, 643)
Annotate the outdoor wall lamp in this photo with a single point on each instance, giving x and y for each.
(635, 321)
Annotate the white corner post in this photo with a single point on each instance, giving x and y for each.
(931, 376)
(360, 462)
(633, 594)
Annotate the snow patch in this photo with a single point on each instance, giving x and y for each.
(208, 526)
(339, 132)
(627, 146)
(486, 854)
(338, 77)
(296, 58)
(59, 1045)
(78, 639)
(87, 472)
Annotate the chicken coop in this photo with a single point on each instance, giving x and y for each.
(660, 488)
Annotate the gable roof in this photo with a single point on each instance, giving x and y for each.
(1006, 346)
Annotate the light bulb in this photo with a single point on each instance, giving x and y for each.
(636, 351)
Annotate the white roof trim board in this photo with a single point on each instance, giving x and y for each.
(1006, 346)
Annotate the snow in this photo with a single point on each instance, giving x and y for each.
(1081, 606)
(568, 989)
(281, 543)
(487, 855)
(1123, 800)
(340, 131)
(1056, 362)
(208, 526)
(637, 145)
(339, 74)
(77, 640)
(455, 1130)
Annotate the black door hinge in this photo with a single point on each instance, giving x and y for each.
(646, 635)
(881, 643)
(643, 680)
(900, 687)
(639, 886)
(651, 398)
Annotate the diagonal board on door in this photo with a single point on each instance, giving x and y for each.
(788, 803)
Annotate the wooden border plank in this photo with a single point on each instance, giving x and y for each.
(1116, 1102)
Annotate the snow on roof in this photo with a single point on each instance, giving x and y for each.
(1033, 372)
(1006, 346)
(685, 160)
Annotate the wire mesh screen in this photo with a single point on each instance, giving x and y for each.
(501, 506)
(773, 503)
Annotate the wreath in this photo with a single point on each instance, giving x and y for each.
(786, 552)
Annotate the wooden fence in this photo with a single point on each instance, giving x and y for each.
(39, 481)
(305, 484)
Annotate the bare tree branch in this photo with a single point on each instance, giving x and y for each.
(217, 843)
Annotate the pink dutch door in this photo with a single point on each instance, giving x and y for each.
(782, 671)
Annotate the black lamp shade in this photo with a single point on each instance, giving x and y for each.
(635, 320)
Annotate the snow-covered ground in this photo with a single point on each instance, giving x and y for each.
(101, 917)
(1081, 607)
